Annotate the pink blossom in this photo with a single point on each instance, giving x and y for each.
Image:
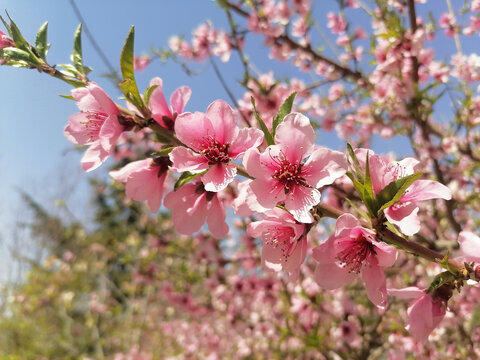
(141, 62)
(425, 313)
(469, 246)
(284, 241)
(222, 46)
(96, 125)
(475, 5)
(404, 213)
(448, 22)
(162, 113)
(336, 23)
(350, 252)
(192, 205)
(144, 180)
(302, 6)
(281, 176)
(214, 140)
(5, 41)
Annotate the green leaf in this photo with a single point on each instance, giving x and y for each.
(128, 85)
(41, 46)
(439, 280)
(17, 36)
(356, 163)
(69, 97)
(148, 92)
(263, 127)
(394, 191)
(446, 265)
(14, 54)
(285, 109)
(185, 178)
(164, 152)
(77, 50)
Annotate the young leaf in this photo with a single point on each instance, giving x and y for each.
(17, 36)
(263, 127)
(394, 191)
(356, 163)
(186, 177)
(148, 92)
(439, 280)
(285, 109)
(14, 54)
(77, 50)
(164, 152)
(128, 85)
(41, 46)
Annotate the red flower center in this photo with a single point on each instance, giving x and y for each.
(93, 124)
(289, 174)
(280, 236)
(355, 253)
(215, 152)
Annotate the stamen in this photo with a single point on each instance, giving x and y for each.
(94, 123)
(288, 174)
(215, 152)
(355, 253)
(280, 237)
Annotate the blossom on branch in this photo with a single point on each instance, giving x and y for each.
(162, 113)
(280, 174)
(144, 180)
(96, 125)
(284, 241)
(192, 205)
(354, 251)
(213, 141)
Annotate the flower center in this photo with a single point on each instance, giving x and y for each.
(289, 174)
(355, 253)
(215, 152)
(93, 124)
(280, 237)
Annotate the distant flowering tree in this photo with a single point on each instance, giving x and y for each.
(397, 221)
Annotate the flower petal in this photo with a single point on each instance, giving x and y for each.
(218, 177)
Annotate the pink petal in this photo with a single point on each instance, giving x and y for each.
(332, 276)
(246, 139)
(300, 201)
(423, 316)
(345, 223)
(324, 166)
(93, 98)
(223, 121)
(184, 159)
(379, 172)
(426, 190)
(218, 177)
(75, 130)
(469, 245)
(192, 128)
(405, 217)
(179, 98)
(122, 174)
(411, 292)
(267, 192)
(157, 102)
(216, 219)
(294, 130)
(94, 156)
(375, 284)
(386, 254)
